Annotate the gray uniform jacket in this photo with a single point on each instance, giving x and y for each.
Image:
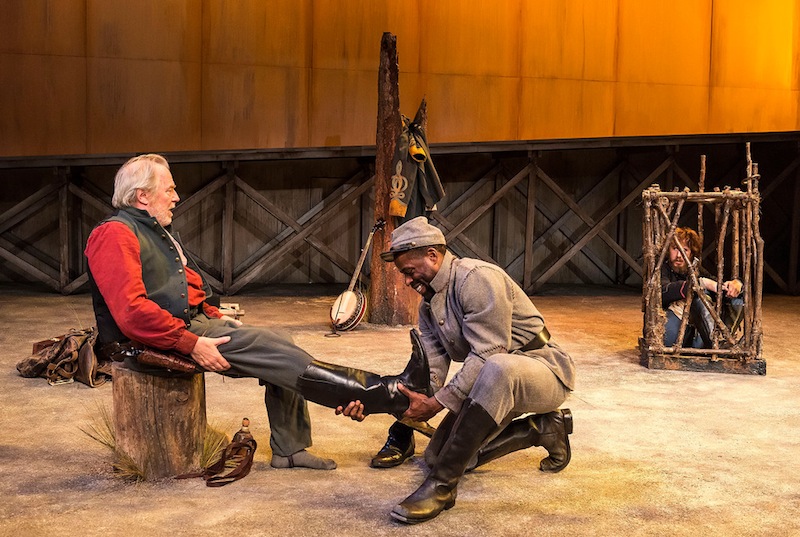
(478, 311)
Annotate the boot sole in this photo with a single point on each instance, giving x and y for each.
(388, 464)
(406, 520)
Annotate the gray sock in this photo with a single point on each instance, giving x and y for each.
(302, 459)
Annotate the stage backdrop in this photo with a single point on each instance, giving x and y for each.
(114, 76)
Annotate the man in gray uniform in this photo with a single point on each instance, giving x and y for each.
(474, 313)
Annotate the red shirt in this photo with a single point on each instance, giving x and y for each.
(115, 262)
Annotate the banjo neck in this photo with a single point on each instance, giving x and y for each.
(379, 224)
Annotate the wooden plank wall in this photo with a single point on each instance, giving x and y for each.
(279, 220)
(103, 77)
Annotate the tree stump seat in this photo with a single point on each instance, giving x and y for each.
(159, 421)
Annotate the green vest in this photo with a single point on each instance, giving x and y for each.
(162, 272)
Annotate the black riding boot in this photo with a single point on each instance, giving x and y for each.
(334, 385)
(702, 321)
(550, 431)
(438, 491)
(439, 438)
(399, 447)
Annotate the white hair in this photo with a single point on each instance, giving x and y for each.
(138, 173)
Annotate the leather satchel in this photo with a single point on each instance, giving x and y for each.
(66, 358)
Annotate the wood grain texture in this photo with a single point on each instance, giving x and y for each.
(159, 422)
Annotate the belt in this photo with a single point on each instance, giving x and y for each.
(537, 342)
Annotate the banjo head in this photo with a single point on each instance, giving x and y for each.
(348, 310)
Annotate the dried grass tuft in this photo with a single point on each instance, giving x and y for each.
(101, 429)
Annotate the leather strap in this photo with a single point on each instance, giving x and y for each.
(235, 463)
(148, 358)
(538, 342)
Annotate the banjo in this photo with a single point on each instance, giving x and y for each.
(350, 307)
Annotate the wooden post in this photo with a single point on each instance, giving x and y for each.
(63, 229)
(794, 248)
(159, 422)
(701, 188)
(390, 300)
(229, 208)
(530, 216)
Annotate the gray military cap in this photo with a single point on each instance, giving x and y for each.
(415, 233)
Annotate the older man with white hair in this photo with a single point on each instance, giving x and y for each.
(147, 290)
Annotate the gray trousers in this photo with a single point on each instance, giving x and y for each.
(272, 357)
(508, 386)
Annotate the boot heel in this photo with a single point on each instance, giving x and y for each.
(566, 414)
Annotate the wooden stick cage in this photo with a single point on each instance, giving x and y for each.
(735, 349)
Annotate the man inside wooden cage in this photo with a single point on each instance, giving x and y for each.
(675, 284)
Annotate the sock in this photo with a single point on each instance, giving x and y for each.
(302, 459)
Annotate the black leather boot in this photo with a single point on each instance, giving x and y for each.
(438, 491)
(701, 319)
(334, 385)
(550, 431)
(439, 438)
(399, 447)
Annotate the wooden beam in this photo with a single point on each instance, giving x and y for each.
(559, 225)
(774, 183)
(295, 226)
(200, 195)
(30, 205)
(228, 210)
(777, 278)
(567, 233)
(583, 215)
(530, 216)
(470, 192)
(28, 269)
(472, 248)
(494, 198)
(352, 182)
(257, 268)
(602, 223)
(63, 234)
(794, 240)
(76, 284)
(89, 198)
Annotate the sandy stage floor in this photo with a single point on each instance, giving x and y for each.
(654, 452)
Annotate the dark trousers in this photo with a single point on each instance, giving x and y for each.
(272, 357)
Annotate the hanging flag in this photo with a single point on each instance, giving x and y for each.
(416, 187)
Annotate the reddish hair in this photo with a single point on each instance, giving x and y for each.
(690, 238)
